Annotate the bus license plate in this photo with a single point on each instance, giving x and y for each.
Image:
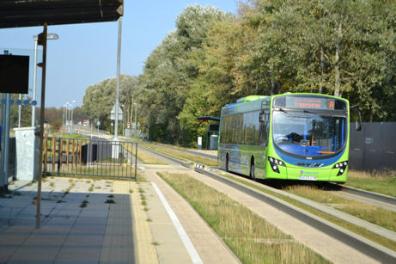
(308, 178)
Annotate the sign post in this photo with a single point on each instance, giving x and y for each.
(199, 142)
(113, 113)
(117, 99)
(98, 125)
(116, 111)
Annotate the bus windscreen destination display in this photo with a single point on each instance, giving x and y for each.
(310, 103)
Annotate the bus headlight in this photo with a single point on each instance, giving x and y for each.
(275, 163)
(341, 166)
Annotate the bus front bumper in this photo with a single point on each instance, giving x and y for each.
(306, 174)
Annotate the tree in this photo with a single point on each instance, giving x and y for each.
(170, 72)
(100, 98)
(270, 46)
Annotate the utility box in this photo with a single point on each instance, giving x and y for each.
(199, 142)
(214, 140)
(27, 153)
(89, 153)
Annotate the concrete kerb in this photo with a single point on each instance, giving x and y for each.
(371, 195)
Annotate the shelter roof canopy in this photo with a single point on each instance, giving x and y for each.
(27, 13)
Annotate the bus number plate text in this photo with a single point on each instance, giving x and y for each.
(307, 178)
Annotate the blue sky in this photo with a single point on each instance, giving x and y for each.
(86, 53)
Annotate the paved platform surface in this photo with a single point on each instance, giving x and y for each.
(209, 246)
(92, 221)
(83, 221)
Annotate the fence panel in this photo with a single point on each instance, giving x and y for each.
(89, 158)
(374, 147)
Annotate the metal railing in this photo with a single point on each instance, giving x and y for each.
(89, 158)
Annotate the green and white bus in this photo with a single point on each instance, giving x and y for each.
(294, 136)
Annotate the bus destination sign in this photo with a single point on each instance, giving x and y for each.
(310, 103)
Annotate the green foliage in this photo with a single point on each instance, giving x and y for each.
(171, 76)
(26, 114)
(270, 46)
(100, 98)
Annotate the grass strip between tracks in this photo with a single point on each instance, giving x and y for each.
(147, 158)
(351, 227)
(181, 154)
(374, 214)
(380, 182)
(144, 156)
(250, 237)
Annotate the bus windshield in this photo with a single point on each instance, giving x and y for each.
(308, 134)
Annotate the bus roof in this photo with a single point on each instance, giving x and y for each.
(245, 104)
(251, 98)
(254, 102)
(311, 94)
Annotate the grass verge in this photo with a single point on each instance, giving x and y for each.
(381, 182)
(351, 227)
(143, 156)
(180, 154)
(250, 237)
(69, 136)
(374, 214)
(147, 158)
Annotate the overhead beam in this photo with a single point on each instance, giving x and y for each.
(26, 13)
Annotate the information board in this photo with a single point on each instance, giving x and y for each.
(14, 74)
(310, 103)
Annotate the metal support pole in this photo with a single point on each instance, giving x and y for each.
(63, 116)
(136, 158)
(67, 117)
(6, 143)
(34, 83)
(71, 121)
(42, 41)
(59, 155)
(2, 142)
(135, 119)
(19, 110)
(117, 100)
(89, 155)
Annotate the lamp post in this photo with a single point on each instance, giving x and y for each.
(67, 105)
(135, 104)
(50, 36)
(71, 115)
(98, 125)
(65, 114)
(117, 99)
(19, 110)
